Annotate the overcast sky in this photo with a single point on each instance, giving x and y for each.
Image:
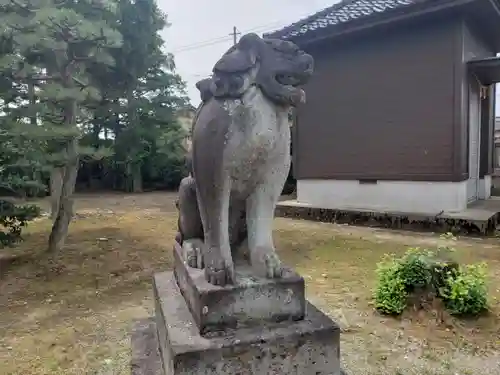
(199, 31)
(209, 22)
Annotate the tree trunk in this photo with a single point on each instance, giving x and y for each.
(134, 174)
(56, 183)
(136, 178)
(64, 211)
(95, 135)
(133, 183)
(35, 175)
(116, 129)
(65, 202)
(32, 100)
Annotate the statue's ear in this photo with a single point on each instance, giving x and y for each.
(242, 57)
(203, 87)
(203, 84)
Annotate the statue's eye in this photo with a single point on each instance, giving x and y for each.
(236, 82)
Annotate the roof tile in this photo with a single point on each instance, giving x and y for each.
(340, 13)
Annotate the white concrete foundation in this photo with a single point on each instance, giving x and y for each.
(391, 196)
(485, 185)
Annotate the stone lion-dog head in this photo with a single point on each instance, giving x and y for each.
(277, 67)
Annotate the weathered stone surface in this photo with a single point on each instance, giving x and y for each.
(248, 302)
(145, 354)
(241, 154)
(306, 347)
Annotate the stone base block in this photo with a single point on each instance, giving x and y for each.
(145, 355)
(306, 347)
(249, 302)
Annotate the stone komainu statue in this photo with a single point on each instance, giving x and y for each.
(240, 156)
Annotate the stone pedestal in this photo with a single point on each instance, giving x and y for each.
(249, 302)
(255, 327)
(306, 347)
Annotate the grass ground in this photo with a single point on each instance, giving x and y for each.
(71, 314)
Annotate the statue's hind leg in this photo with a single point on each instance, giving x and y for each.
(190, 234)
(237, 229)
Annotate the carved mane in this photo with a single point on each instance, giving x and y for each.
(260, 62)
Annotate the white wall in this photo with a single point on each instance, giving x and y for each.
(497, 100)
(392, 196)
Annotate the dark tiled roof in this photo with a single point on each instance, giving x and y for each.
(340, 13)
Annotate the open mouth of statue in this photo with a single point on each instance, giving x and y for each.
(288, 79)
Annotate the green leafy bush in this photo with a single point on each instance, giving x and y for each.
(466, 292)
(433, 273)
(415, 270)
(12, 219)
(391, 295)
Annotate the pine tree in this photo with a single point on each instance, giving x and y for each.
(151, 89)
(159, 108)
(20, 156)
(21, 159)
(65, 37)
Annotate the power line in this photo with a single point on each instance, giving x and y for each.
(206, 43)
(210, 42)
(226, 38)
(265, 27)
(198, 75)
(223, 39)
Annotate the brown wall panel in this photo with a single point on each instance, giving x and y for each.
(381, 106)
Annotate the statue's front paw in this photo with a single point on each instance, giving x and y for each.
(192, 251)
(217, 270)
(266, 263)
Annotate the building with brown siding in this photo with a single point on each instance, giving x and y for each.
(400, 110)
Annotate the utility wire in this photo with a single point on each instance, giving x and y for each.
(266, 27)
(222, 39)
(206, 43)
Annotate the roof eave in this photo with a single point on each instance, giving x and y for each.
(378, 20)
(280, 33)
